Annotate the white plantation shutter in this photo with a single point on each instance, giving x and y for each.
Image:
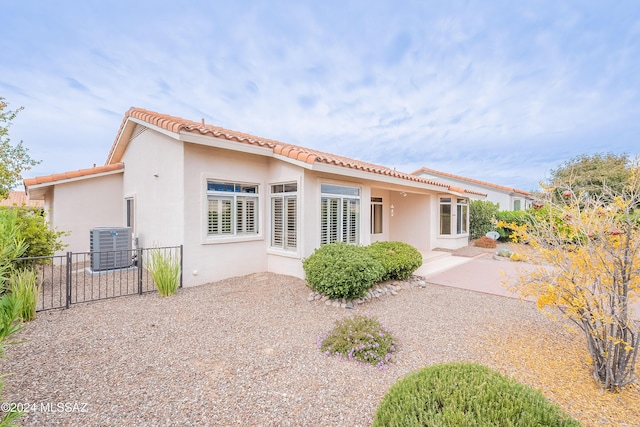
(277, 227)
(291, 217)
(335, 226)
(339, 214)
(226, 225)
(334, 220)
(229, 212)
(351, 220)
(324, 221)
(219, 218)
(251, 224)
(213, 224)
(240, 216)
(284, 216)
(246, 213)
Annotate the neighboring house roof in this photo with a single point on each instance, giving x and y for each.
(41, 182)
(178, 125)
(471, 180)
(19, 198)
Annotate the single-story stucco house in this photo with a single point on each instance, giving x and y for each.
(241, 204)
(507, 199)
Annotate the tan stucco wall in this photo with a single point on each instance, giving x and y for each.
(215, 259)
(411, 220)
(154, 178)
(81, 205)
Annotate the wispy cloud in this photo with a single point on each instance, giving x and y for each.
(491, 90)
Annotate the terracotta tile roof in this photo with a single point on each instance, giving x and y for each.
(474, 181)
(307, 155)
(19, 198)
(73, 174)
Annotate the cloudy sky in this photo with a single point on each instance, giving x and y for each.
(500, 91)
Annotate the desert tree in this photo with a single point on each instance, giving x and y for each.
(14, 159)
(590, 174)
(587, 255)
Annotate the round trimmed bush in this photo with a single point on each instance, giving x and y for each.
(339, 270)
(399, 259)
(466, 394)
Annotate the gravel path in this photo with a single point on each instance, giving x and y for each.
(237, 352)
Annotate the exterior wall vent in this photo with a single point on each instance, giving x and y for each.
(110, 248)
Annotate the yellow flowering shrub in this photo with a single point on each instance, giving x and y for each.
(588, 268)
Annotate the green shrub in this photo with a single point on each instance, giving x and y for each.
(360, 338)
(466, 394)
(165, 270)
(338, 270)
(23, 285)
(11, 246)
(10, 324)
(482, 214)
(398, 259)
(515, 217)
(35, 232)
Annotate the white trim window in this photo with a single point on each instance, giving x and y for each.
(284, 216)
(462, 219)
(458, 221)
(129, 214)
(232, 209)
(339, 214)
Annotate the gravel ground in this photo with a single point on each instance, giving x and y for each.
(236, 352)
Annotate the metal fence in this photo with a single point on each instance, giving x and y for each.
(90, 276)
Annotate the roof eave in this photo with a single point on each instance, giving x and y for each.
(378, 177)
(37, 191)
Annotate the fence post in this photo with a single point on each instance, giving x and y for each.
(180, 266)
(140, 251)
(68, 279)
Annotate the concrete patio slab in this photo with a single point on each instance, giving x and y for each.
(483, 274)
(436, 264)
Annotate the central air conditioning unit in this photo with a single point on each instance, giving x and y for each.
(110, 248)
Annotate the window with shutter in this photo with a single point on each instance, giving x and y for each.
(284, 216)
(277, 225)
(232, 209)
(339, 214)
(291, 240)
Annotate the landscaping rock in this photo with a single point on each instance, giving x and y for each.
(376, 292)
